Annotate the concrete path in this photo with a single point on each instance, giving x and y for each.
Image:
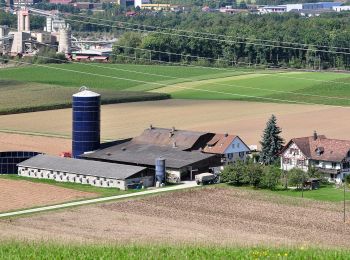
(185, 185)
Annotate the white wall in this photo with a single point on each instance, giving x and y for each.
(235, 148)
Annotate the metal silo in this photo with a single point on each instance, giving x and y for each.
(160, 170)
(86, 122)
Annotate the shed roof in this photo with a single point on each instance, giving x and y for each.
(80, 166)
(146, 154)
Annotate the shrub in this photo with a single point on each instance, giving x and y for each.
(254, 174)
(296, 177)
(271, 177)
(234, 173)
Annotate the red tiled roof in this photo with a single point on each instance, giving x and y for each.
(219, 143)
(333, 150)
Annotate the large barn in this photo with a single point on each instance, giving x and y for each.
(186, 153)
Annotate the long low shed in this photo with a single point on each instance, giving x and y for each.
(101, 174)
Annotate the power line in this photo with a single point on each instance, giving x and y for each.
(188, 88)
(200, 57)
(209, 39)
(213, 34)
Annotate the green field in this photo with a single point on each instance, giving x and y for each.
(18, 250)
(181, 82)
(18, 97)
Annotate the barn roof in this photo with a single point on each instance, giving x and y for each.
(146, 154)
(168, 137)
(80, 166)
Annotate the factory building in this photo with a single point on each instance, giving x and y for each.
(94, 173)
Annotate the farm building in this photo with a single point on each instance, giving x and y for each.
(100, 174)
(186, 153)
(329, 156)
(10, 159)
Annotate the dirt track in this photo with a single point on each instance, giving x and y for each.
(209, 216)
(24, 194)
(246, 119)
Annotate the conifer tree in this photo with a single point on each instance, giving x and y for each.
(271, 142)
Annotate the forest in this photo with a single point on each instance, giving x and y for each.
(214, 39)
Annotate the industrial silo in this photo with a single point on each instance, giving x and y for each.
(86, 122)
(160, 170)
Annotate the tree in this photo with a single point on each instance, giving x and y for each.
(234, 173)
(271, 177)
(253, 174)
(297, 177)
(271, 142)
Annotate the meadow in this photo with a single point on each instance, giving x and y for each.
(19, 97)
(329, 88)
(17, 250)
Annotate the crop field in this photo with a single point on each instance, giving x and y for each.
(21, 250)
(18, 97)
(235, 217)
(195, 82)
(247, 119)
(20, 194)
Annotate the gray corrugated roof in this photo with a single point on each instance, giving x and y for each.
(145, 154)
(80, 166)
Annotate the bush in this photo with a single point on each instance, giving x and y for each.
(234, 173)
(271, 177)
(296, 177)
(254, 174)
(347, 178)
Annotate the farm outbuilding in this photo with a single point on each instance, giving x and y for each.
(100, 174)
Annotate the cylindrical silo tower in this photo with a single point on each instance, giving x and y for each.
(86, 122)
(64, 43)
(160, 170)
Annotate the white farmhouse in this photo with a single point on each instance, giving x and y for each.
(230, 147)
(329, 156)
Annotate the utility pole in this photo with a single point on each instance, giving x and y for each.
(343, 181)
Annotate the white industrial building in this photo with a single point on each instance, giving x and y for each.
(100, 174)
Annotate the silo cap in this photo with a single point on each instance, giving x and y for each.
(86, 93)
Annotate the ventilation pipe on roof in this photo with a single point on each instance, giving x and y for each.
(173, 129)
(174, 145)
(150, 126)
(315, 135)
(226, 134)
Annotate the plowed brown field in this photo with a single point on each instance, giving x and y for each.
(24, 194)
(222, 216)
(18, 142)
(247, 119)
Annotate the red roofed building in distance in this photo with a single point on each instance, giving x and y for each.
(329, 156)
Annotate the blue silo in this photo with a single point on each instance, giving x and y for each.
(160, 170)
(86, 122)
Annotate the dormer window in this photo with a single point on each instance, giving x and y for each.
(319, 151)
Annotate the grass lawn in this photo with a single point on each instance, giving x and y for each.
(25, 250)
(18, 97)
(325, 193)
(310, 87)
(109, 76)
(102, 192)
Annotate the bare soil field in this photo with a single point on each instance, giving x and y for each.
(246, 119)
(221, 216)
(49, 145)
(24, 194)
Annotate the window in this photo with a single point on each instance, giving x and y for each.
(238, 145)
(334, 165)
(287, 161)
(241, 154)
(301, 162)
(233, 146)
(229, 155)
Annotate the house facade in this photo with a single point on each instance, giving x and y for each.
(329, 156)
(229, 147)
